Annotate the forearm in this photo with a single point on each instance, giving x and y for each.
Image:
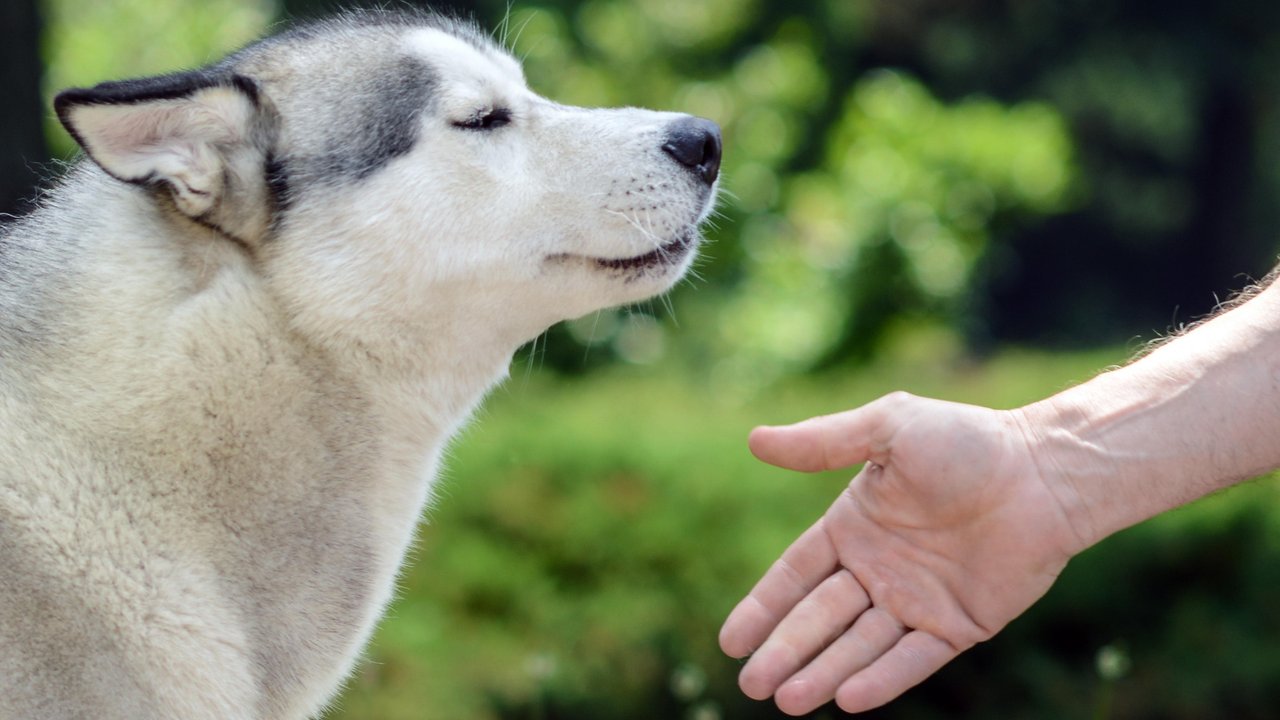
(1199, 413)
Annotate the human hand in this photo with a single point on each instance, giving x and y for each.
(947, 534)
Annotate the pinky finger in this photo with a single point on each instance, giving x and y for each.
(915, 657)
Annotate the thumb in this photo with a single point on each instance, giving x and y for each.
(829, 442)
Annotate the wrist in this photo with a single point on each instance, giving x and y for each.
(1060, 459)
(1200, 413)
(1133, 443)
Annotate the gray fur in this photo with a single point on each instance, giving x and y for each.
(383, 120)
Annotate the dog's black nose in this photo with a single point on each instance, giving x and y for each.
(695, 143)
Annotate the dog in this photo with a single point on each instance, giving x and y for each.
(236, 336)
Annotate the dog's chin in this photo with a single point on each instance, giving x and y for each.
(668, 260)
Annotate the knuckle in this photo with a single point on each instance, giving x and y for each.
(898, 399)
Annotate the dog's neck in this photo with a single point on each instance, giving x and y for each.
(138, 265)
(424, 405)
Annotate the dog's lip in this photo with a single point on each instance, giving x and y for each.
(667, 254)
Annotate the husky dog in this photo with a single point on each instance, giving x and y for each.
(234, 341)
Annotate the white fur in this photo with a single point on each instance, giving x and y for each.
(220, 424)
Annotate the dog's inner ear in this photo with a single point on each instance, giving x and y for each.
(178, 131)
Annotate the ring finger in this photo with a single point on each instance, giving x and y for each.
(813, 623)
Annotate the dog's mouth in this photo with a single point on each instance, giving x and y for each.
(661, 258)
(668, 254)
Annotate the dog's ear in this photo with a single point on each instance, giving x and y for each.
(177, 131)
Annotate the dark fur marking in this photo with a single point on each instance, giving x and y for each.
(388, 122)
(276, 173)
(161, 87)
(388, 113)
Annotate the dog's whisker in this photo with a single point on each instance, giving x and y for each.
(665, 299)
(647, 233)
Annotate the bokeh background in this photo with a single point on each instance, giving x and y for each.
(973, 199)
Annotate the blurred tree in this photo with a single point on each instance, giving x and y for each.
(1171, 107)
(20, 115)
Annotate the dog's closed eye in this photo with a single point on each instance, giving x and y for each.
(490, 119)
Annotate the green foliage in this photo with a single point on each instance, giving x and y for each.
(892, 223)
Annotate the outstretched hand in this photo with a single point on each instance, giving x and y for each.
(949, 532)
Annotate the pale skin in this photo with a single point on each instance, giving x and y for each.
(963, 516)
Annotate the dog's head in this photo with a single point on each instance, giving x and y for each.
(395, 171)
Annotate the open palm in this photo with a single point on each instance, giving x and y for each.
(947, 534)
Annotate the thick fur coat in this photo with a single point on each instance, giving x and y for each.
(235, 338)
